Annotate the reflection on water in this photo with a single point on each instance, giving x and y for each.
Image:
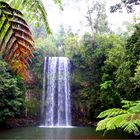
(57, 133)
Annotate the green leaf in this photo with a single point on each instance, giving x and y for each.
(111, 112)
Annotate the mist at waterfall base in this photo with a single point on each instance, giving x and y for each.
(56, 104)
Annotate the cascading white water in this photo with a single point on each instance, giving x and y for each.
(56, 107)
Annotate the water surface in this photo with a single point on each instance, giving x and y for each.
(59, 133)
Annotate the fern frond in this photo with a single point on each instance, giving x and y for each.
(135, 109)
(111, 112)
(137, 122)
(3, 26)
(38, 6)
(130, 127)
(5, 36)
(5, 5)
(17, 42)
(128, 104)
(101, 125)
(7, 53)
(16, 18)
(26, 34)
(41, 7)
(20, 25)
(111, 123)
(117, 121)
(17, 12)
(128, 120)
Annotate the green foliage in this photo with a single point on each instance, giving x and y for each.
(133, 48)
(106, 84)
(128, 4)
(105, 71)
(11, 93)
(97, 17)
(46, 46)
(120, 63)
(86, 75)
(16, 42)
(111, 113)
(126, 118)
(33, 10)
(136, 78)
(32, 106)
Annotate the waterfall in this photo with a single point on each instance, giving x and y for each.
(56, 107)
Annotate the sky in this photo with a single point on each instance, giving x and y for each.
(74, 12)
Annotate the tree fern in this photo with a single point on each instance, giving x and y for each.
(129, 126)
(135, 108)
(102, 124)
(111, 112)
(16, 43)
(128, 119)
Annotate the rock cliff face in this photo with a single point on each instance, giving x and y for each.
(31, 113)
(32, 103)
(20, 122)
(79, 111)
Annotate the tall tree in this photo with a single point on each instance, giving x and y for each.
(127, 4)
(96, 17)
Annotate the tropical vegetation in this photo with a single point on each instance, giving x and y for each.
(127, 118)
(16, 39)
(105, 65)
(11, 93)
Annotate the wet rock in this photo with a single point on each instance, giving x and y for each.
(20, 122)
